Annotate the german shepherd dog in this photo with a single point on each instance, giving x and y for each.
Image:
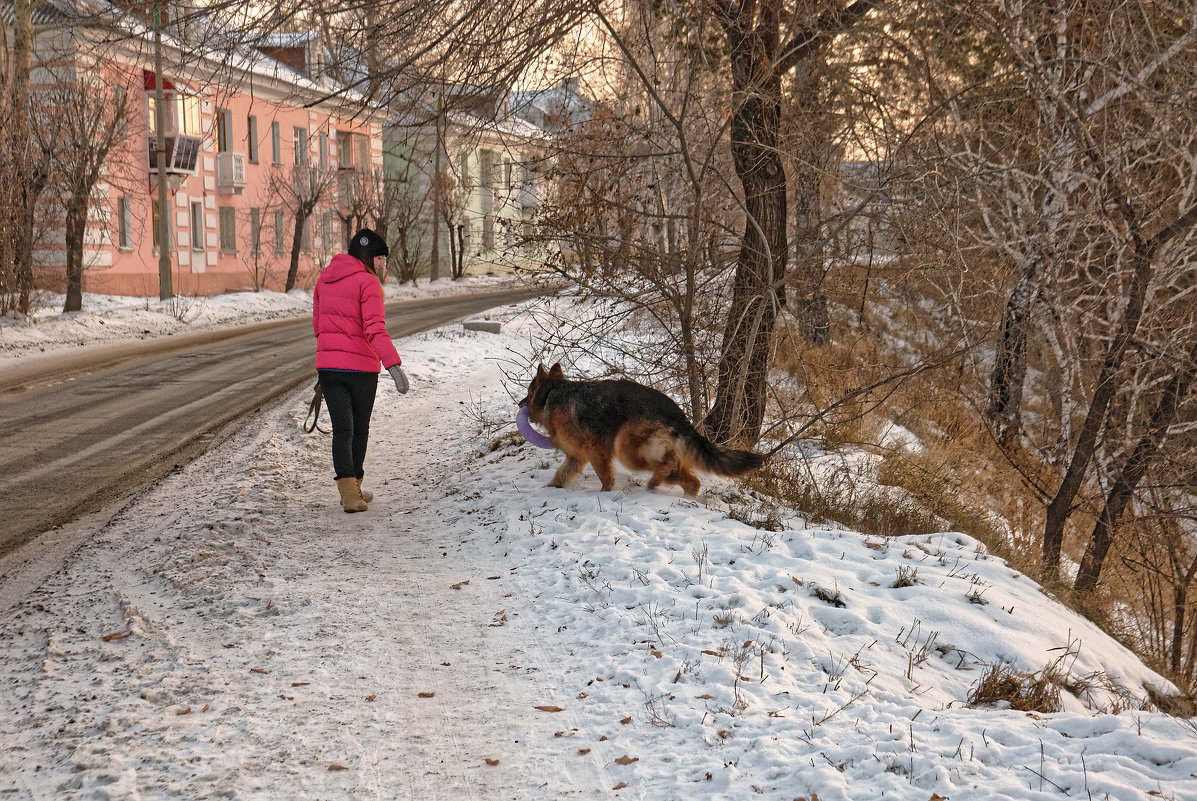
(598, 421)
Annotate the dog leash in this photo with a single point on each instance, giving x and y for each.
(314, 411)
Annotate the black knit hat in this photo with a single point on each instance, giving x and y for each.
(367, 244)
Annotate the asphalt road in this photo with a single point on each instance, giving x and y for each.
(80, 431)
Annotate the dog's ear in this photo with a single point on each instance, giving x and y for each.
(556, 371)
(541, 372)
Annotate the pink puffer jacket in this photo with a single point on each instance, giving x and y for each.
(348, 319)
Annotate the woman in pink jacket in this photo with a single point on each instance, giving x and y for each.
(351, 340)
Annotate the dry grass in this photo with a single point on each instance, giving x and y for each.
(1026, 692)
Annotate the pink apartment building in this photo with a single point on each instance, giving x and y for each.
(248, 135)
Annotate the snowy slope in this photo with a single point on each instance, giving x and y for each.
(233, 634)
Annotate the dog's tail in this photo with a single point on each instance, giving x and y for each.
(711, 458)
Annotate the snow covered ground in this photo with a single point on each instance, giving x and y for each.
(231, 633)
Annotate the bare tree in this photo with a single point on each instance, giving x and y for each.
(26, 165)
(79, 121)
(300, 190)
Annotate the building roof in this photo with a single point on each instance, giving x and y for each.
(201, 41)
(44, 14)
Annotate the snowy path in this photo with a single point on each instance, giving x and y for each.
(273, 639)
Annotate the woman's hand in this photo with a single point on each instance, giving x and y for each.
(401, 382)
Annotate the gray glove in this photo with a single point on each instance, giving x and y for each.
(401, 382)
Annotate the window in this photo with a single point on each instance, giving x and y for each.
(276, 145)
(255, 231)
(251, 139)
(197, 225)
(507, 175)
(305, 242)
(345, 149)
(228, 229)
(182, 114)
(325, 233)
(488, 233)
(124, 224)
(301, 146)
(464, 168)
(323, 150)
(487, 168)
(223, 130)
(363, 147)
(278, 231)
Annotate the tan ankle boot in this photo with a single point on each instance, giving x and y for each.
(367, 496)
(351, 497)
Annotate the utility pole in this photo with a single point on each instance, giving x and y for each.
(165, 289)
(435, 269)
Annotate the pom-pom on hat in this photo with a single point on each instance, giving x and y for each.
(367, 244)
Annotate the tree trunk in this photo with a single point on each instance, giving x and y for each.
(739, 409)
(1180, 595)
(19, 143)
(76, 227)
(1132, 472)
(1108, 382)
(301, 218)
(1010, 357)
(459, 270)
(810, 305)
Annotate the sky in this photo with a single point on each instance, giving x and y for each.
(232, 633)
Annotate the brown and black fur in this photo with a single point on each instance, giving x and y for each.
(597, 422)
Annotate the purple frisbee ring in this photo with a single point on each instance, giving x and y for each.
(531, 434)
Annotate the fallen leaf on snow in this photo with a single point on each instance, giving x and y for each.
(186, 711)
(581, 695)
(371, 697)
(459, 585)
(550, 709)
(626, 720)
(300, 683)
(710, 652)
(583, 750)
(120, 635)
(335, 766)
(620, 786)
(938, 797)
(626, 760)
(657, 654)
(427, 695)
(603, 739)
(492, 762)
(704, 697)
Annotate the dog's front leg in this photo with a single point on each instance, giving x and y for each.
(606, 473)
(567, 472)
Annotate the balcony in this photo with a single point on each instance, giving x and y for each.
(182, 154)
(230, 173)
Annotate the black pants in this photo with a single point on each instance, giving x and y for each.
(349, 395)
